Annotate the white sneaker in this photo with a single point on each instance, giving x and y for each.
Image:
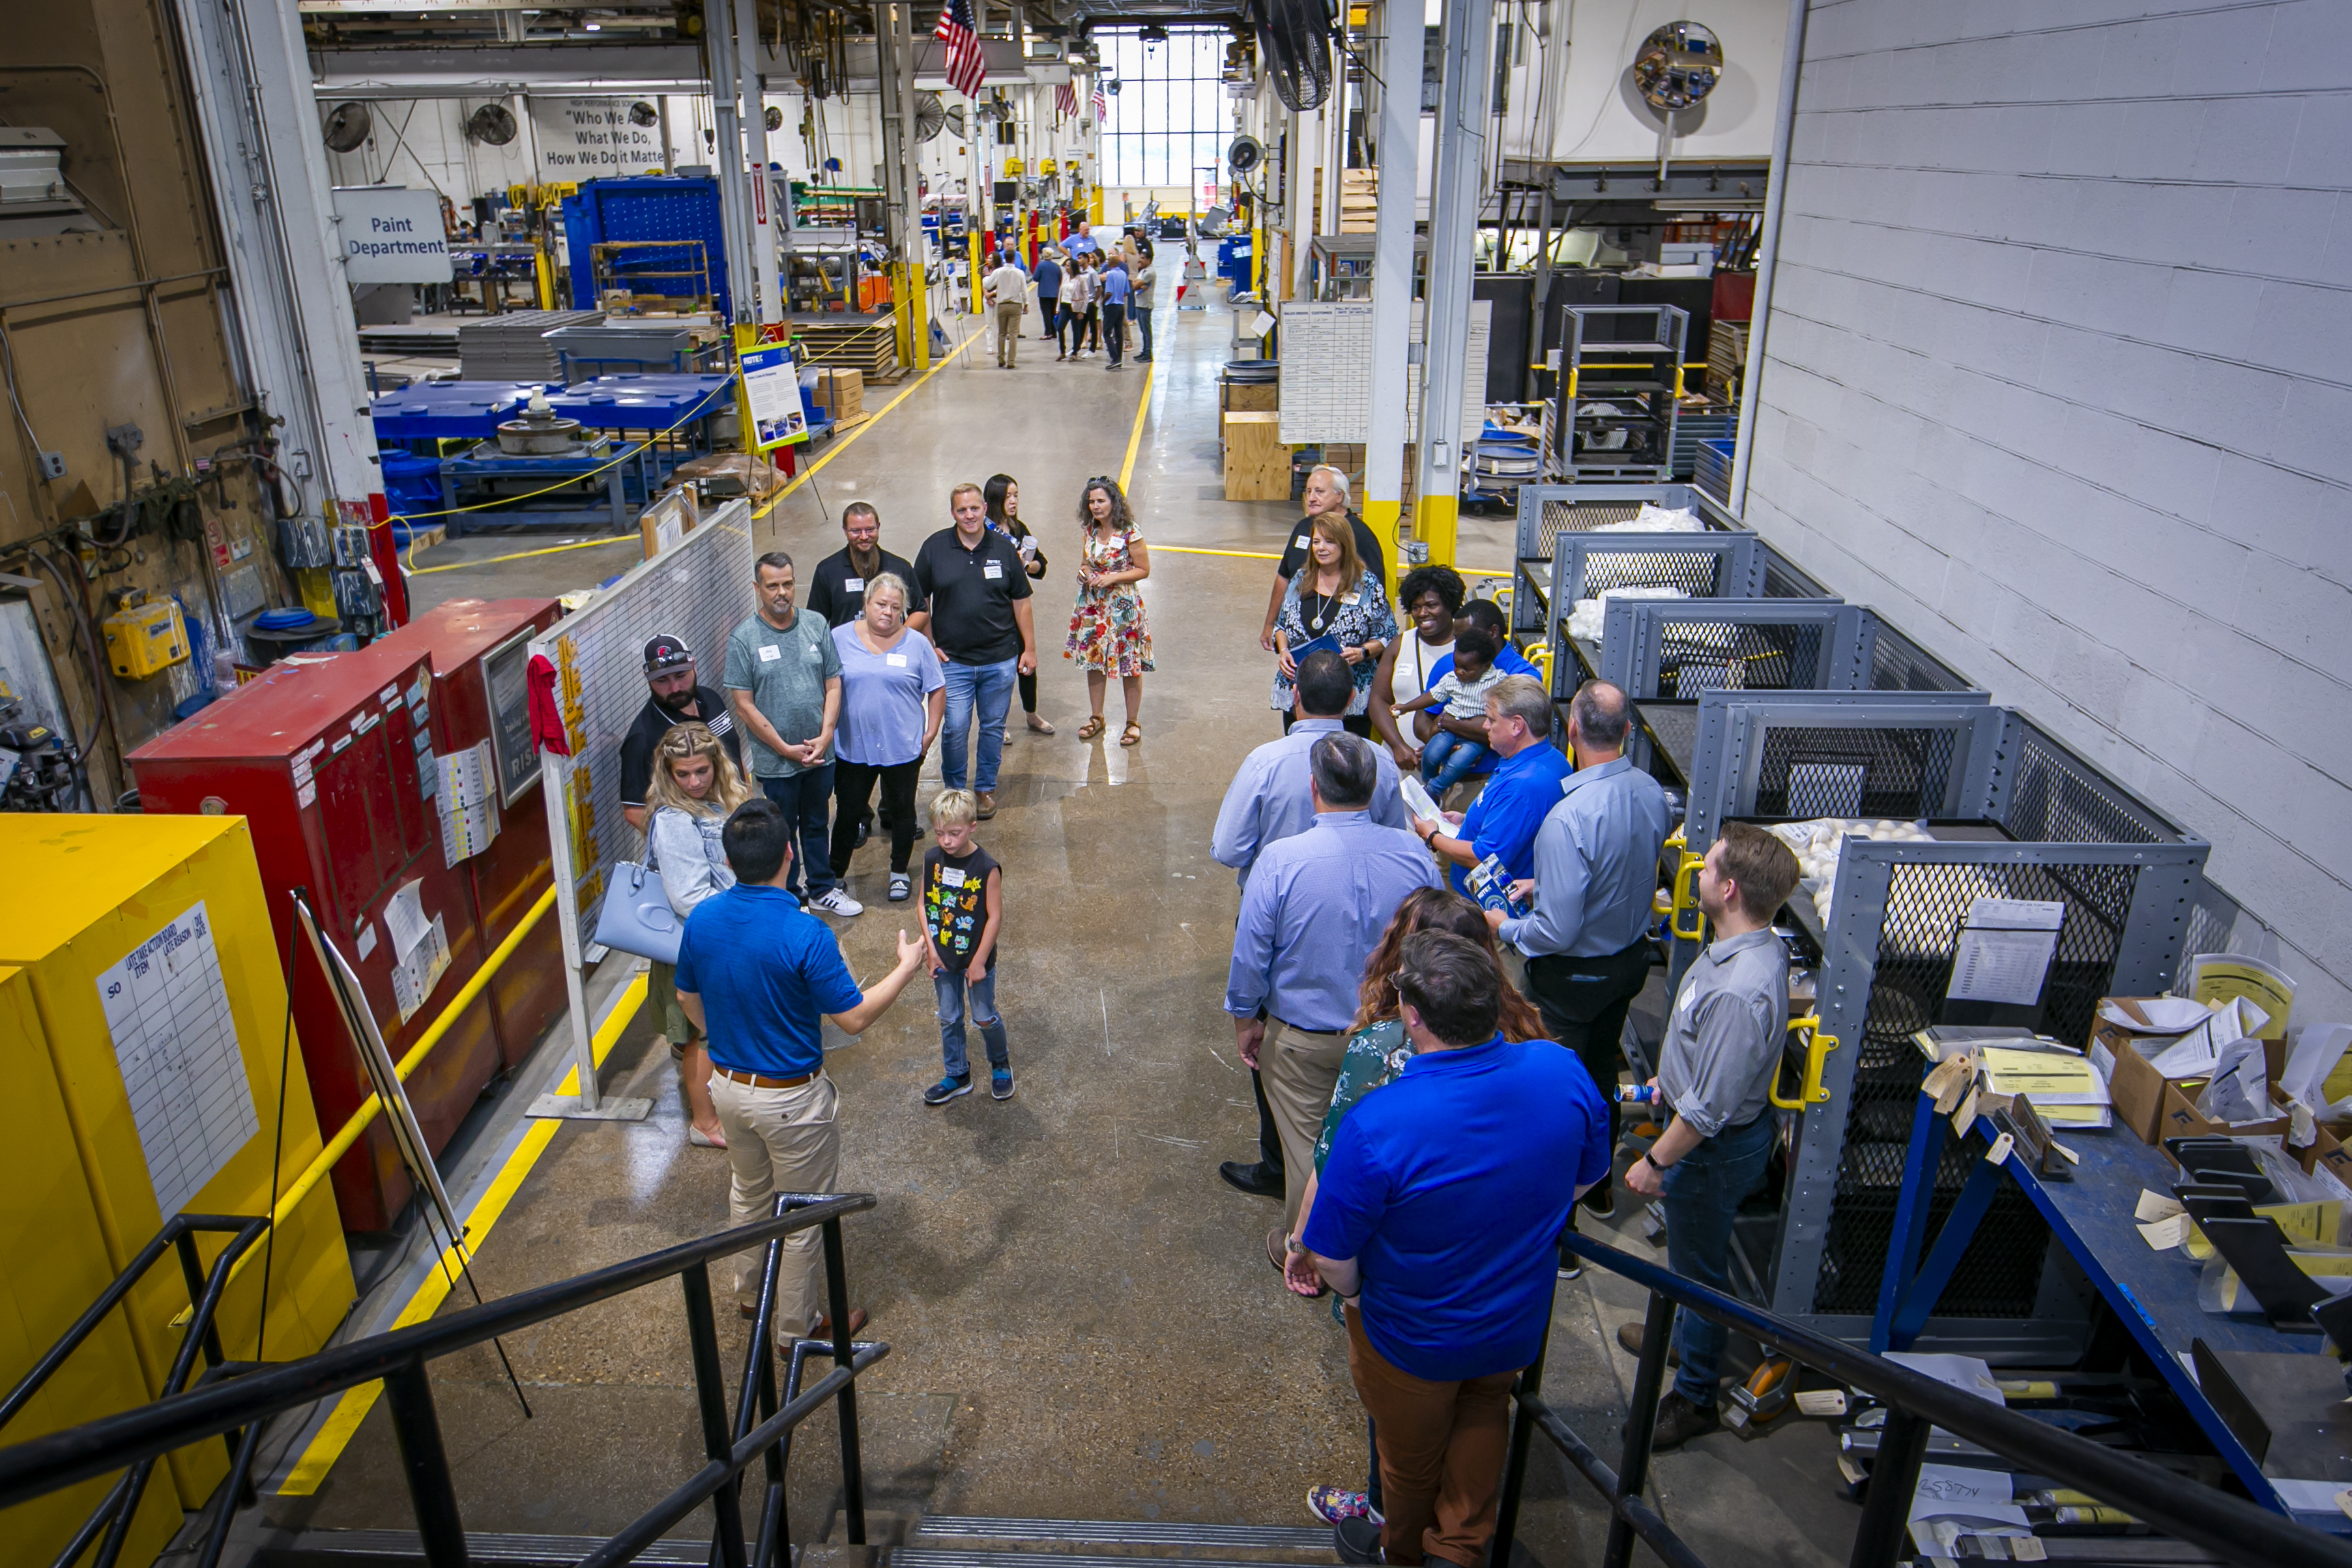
(833, 901)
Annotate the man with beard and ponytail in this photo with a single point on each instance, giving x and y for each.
(676, 698)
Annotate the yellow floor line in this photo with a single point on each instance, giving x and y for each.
(527, 554)
(352, 1409)
(1134, 437)
(844, 443)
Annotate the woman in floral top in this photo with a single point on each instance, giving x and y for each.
(1108, 635)
(1333, 600)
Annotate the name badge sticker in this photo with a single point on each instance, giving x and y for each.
(1299, 543)
(1350, 599)
(895, 660)
(991, 570)
(950, 876)
(769, 653)
(852, 584)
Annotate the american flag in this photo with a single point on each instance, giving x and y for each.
(1065, 101)
(1101, 103)
(967, 63)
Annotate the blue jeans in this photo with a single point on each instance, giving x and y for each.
(805, 797)
(1702, 1191)
(949, 985)
(1142, 318)
(988, 687)
(1446, 759)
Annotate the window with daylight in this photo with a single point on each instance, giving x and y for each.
(1168, 124)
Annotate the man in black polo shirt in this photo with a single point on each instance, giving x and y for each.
(677, 698)
(837, 591)
(977, 588)
(1327, 490)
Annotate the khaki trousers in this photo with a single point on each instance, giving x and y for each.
(1441, 1447)
(1299, 1068)
(781, 1141)
(1008, 330)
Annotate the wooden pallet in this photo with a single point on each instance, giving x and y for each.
(420, 539)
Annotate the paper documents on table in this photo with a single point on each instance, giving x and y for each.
(2066, 1089)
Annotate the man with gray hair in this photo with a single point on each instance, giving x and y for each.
(1327, 490)
(1587, 940)
(1316, 907)
(1505, 818)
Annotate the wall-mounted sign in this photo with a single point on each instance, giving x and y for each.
(581, 138)
(391, 235)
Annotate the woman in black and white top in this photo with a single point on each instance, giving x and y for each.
(1004, 498)
(1432, 596)
(1334, 598)
(693, 789)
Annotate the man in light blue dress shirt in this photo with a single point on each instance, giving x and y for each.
(1269, 799)
(1587, 940)
(1316, 907)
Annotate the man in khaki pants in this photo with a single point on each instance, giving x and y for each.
(1317, 904)
(1006, 290)
(760, 974)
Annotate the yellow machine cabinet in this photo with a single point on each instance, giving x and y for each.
(147, 950)
(58, 1265)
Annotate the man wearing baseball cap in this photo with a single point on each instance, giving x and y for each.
(676, 698)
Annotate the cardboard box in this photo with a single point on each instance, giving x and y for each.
(2139, 1090)
(841, 392)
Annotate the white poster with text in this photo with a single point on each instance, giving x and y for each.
(582, 138)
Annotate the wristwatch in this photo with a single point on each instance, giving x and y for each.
(1643, 1159)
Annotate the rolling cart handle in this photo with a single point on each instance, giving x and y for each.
(1686, 900)
(1818, 1046)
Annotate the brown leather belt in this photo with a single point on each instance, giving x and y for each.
(754, 1080)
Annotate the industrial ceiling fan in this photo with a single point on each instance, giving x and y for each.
(347, 125)
(493, 125)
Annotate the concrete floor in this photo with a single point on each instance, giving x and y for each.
(1083, 1322)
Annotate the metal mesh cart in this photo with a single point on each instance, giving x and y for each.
(2011, 815)
(1664, 652)
(1547, 511)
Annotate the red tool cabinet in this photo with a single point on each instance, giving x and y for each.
(329, 757)
(479, 648)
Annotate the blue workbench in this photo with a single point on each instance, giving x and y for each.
(2152, 1294)
(657, 402)
(447, 410)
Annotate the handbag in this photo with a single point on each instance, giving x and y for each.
(636, 916)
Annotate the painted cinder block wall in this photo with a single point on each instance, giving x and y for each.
(2060, 379)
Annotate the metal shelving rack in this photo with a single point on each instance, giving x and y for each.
(1616, 378)
(1549, 510)
(2014, 814)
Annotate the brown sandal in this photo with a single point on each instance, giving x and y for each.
(1131, 736)
(1091, 727)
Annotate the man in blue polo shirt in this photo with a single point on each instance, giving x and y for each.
(1435, 1221)
(1503, 820)
(760, 974)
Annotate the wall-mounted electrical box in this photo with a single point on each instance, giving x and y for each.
(145, 638)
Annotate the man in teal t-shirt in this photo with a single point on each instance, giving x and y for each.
(784, 678)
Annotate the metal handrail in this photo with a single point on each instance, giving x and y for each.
(2236, 1530)
(398, 1358)
(116, 1511)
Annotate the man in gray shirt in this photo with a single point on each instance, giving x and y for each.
(1587, 939)
(1723, 1045)
(784, 678)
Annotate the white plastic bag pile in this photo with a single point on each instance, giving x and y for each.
(1585, 621)
(1816, 845)
(1657, 520)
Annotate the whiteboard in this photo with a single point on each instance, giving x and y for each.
(168, 1014)
(1327, 373)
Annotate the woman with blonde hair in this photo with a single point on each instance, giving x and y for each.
(1108, 635)
(893, 699)
(695, 786)
(1335, 602)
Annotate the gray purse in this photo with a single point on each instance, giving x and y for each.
(636, 916)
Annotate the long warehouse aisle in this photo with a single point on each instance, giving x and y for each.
(1082, 1318)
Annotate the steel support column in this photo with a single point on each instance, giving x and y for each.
(292, 308)
(1456, 196)
(727, 161)
(1395, 357)
(761, 233)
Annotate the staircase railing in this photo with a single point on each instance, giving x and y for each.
(2231, 1528)
(115, 1511)
(238, 1399)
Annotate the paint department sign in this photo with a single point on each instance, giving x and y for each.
(391, 236)
(581, 138)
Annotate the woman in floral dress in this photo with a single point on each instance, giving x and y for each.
(1108, 635)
